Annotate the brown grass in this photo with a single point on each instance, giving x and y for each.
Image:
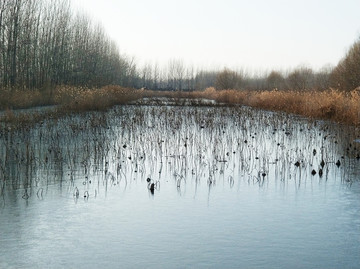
(67, 100)
(335, 105)
(18, 99)
(84, 99)
(331, 104)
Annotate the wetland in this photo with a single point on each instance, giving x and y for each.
(163, 186)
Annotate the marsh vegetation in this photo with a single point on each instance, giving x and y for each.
(201, 143)
(156, 164)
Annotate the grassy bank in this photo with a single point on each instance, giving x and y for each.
(64, 99)
(335, 105)
(71, 98)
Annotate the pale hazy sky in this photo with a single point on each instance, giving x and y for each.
(256, 34)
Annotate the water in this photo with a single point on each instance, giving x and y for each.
(228, 193)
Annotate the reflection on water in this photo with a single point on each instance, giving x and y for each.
(154, 185)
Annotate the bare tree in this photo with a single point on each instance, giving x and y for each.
(4, 24)
(228, 79)
(205, 79)
(346, 75)
(190, 78)
(42, 44)
(275, 80)
(156, 76)
(300, 79)
(176, 72)
(322, 78)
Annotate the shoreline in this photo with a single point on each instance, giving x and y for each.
(334, 105)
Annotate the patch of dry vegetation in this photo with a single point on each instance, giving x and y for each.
(77, 99)
(67, 100)
(17, 99)
(331, 104)
(335, 105)
(72, 98)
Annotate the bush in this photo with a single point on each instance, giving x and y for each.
(228, 79)
(346, 75)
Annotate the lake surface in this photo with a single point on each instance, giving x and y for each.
(233, 188)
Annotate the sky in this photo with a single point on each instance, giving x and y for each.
(254, 34)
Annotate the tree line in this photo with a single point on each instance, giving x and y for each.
(43, 43)
(180, 77)
(177, 76)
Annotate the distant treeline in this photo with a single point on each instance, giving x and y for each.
(177, 76)
(184, 78)
(43, 43)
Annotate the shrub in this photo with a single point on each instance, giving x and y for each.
(346, 75)
(228, 79)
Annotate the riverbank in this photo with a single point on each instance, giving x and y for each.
(339, 106)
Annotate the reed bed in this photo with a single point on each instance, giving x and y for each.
(332, 104)
(85, 99)
(60, 102)
(73, 98)
(335, 105)
(18, 99)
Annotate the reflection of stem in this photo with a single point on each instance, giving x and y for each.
(26, 195)
(2, 193)
(209, 189)
(2, 188)
(39, 193)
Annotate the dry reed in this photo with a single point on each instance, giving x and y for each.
(18, 99)
(84, 99)
(331, 104)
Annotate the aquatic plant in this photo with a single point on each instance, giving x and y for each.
(96, 152)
